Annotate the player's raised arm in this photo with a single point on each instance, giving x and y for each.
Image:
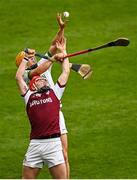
(63, 78)
(42, 67)
(19, 77)
(20, 71)
(58, 36)
(60, 33)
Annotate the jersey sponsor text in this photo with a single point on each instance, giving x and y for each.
(41, 101)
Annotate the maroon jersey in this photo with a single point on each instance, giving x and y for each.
(43, 113)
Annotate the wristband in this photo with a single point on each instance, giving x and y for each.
(49, 54)
(26, 59)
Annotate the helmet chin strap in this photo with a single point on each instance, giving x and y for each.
(44, 89)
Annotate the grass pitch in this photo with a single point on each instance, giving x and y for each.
(101, 112)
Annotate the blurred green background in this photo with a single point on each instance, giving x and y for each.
(101, 113)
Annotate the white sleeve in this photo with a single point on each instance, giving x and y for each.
(42, 60)
(59, 90)
(27, 95)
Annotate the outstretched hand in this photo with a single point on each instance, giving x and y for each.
(61, 23)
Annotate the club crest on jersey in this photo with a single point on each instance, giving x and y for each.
(38, 95)
(43, 75)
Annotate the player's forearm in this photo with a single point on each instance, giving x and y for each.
(19, 78)
(21, 70)
(40, 69)
(58, 36)
(66, 66)
(65, 63)
(65, 72)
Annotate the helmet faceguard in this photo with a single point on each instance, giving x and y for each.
(32, 84)
(30, 54)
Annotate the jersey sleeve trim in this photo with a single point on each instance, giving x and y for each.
(27, 95)
(61, 86)
(23, 95)
(58, 91)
